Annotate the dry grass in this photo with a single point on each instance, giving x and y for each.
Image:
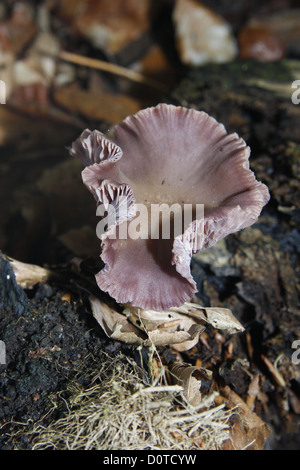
(119, 412)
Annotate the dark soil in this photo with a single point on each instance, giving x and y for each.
(49, 342)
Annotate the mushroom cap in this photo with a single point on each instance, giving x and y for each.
(165, 155)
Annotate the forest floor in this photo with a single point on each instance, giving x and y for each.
(51, 338)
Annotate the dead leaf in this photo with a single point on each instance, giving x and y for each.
(220, 318)
(109, 26)
(114, 324)
(119, 327)
(190, 378)
(180, 327)
(248, 431)
(28, 275)
(108, 107)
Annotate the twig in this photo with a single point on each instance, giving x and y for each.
(111, 68)
(159, 389)
(275, 373)
(253, 391)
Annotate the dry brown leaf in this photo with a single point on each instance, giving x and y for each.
(107, 107)
(117, 326)
(109, 26)
(220, 318)
(190, 378)
(180, 327)
(151, 319)
(114, 324)
(180, 340)
(248, 431)
(28, 275)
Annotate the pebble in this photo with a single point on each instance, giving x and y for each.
(202, 36)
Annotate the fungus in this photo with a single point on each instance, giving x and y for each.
(164, 157)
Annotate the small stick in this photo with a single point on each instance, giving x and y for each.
(253, 391)
(111, 68)
(158, 389)
(275, 373)
(249, 346)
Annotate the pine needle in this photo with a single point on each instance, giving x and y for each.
(111, 68)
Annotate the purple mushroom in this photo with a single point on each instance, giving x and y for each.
(162, 157)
